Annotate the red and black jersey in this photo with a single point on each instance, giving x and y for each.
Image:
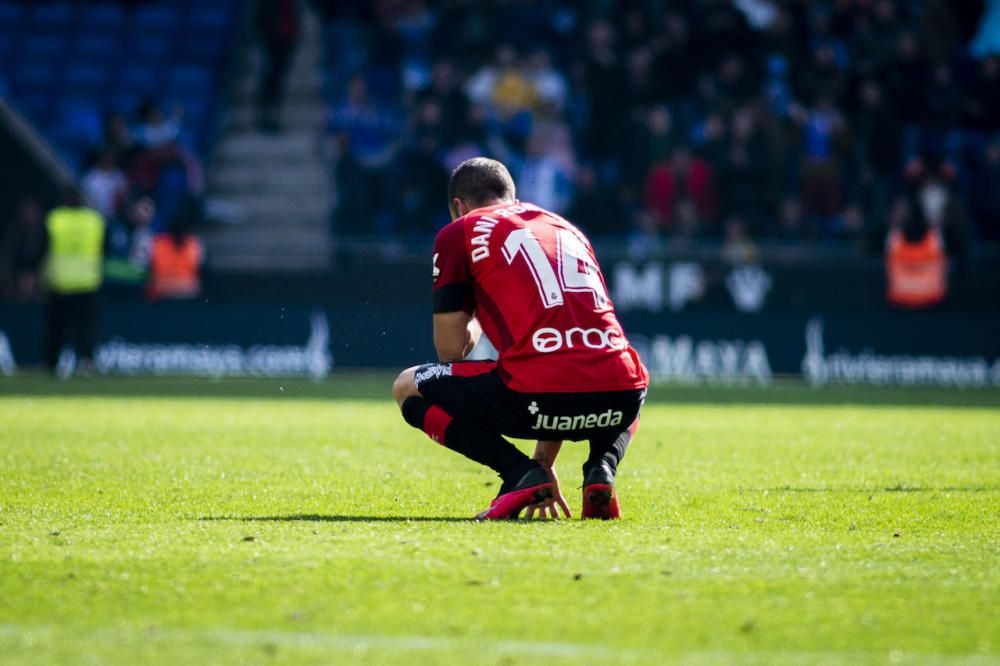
(532, 280)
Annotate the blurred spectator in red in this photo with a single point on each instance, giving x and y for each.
(278, 27)
(683, 177)
(23, 249)
(104, 185)
(916, 263)
(175, 260)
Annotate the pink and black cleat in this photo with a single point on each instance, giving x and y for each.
(535, 486)
(600, 501)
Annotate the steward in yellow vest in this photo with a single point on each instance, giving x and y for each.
(72, 275)
(76, 250)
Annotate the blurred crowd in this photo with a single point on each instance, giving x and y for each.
(667, 119)
(145, 184)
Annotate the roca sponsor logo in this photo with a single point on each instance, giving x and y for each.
(547, 340)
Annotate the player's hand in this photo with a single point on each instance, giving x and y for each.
(549, 508)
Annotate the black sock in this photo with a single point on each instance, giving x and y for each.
(474, 443)
(610, 451)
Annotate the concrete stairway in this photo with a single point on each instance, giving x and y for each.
(274, 190)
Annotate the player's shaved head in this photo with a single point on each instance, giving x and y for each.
(478, 182)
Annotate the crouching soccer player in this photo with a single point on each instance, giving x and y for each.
(529, 280)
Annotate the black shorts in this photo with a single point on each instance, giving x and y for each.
(472, 391)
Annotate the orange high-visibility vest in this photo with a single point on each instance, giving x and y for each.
(917, 272)
(173, 269)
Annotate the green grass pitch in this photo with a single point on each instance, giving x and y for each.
(256, 522)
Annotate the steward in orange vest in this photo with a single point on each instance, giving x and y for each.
(916, 266)
(175, 259)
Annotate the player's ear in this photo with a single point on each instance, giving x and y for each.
(457, 208)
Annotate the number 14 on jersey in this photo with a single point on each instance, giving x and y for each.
(577, 271)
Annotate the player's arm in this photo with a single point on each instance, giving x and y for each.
(545, 453)
(456, 330)
(455, 335)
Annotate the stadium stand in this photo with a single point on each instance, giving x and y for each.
(797, 121)
(66, 79)
(767, 121)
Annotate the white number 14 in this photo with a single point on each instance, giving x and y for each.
(577, 271)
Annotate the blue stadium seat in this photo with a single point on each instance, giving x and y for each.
(53, 15)
(84, 77)
(33, 77)
(37, 107)
(11, 14)
(229, 7)
(148, 49)
(67, 63)
(104, 18)
(161, 19)
(7, 50)
(78, 124)
(68, 104)
(97, 48)
(210, 19)
(197, 109)
(141, 80)
(189, 81)
(125, 102)
(69, 143)
(42, 47)
(201, 48)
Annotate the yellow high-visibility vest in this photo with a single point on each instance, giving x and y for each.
(76, 245)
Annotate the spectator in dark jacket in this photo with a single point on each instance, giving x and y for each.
(23, 251)
(278, 26)
(985, 195)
